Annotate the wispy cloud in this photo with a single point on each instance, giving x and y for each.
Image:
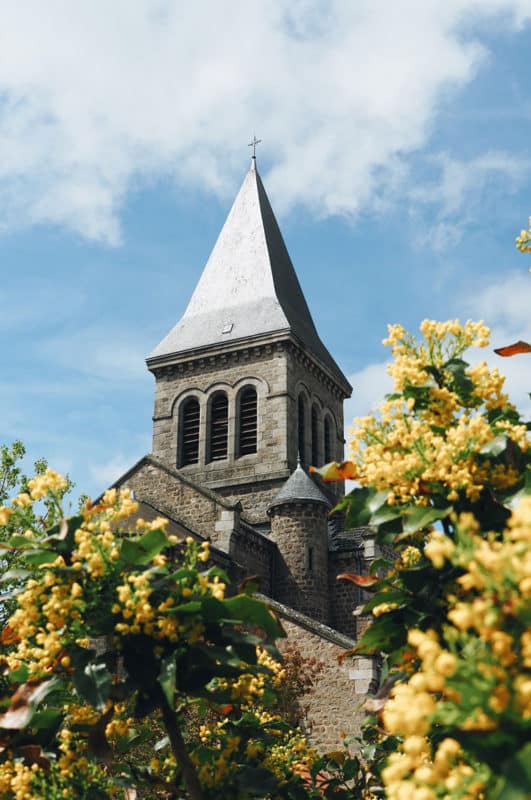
(456, 197)
(97, 97)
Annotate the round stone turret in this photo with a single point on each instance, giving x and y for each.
(299, 526)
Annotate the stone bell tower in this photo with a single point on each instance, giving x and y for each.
(243, 381)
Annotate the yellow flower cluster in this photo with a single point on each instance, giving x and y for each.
(409, 447)
(476, 676)
(49, 481)
(523, 241)
(16, 780)
(44, 610)
(162, 620)
(275, 667)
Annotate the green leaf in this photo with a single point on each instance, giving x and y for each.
(384, 634)
(517, 776)
(139, 552)
(167, 678)
(256, 781)
(357, 507)
(252, 611)
(38, 557)
(420, 517)
(93, 684)
(392, 596)
(385, 514)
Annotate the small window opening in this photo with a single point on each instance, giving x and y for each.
(219, 427)
(310, 559)
(190, 432)
(301, 431)
(248, 421)
(315, 437)
(328, 440)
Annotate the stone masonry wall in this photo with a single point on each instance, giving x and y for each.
(335, 705)
(168, 492)
(345, 596)
(301, 570)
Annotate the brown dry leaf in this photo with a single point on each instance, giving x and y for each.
(9, 635)
(346, 471)
(360, 580)
(19, 712)
(514, 349)
(34, 754)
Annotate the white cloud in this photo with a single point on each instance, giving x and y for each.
(369, 387)
(106, 473)
(458, 192)
(96, 97)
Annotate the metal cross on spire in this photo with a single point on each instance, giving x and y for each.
(253, 145)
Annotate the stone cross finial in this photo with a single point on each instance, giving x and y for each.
(253, 145)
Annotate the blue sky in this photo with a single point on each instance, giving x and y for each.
(396, 153)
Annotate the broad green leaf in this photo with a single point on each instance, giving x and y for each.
(382, 635)
(93, 684)
(254, 612)
(256, 781)
(356, 505)
(392, 596)
(386, 514)
(38, 557)
(517, 775)
(139, 552)
(420, 517)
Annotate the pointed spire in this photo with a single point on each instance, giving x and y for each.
(249, 287)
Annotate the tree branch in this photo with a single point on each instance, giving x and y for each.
(181, 753)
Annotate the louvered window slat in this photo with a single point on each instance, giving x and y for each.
(248, 422)
(190, 433)
(219, 427)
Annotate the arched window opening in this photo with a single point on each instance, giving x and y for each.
(189, 432)
(301, 430)
(219, 427)
(248, 421)
(315, 437)
(328, 440)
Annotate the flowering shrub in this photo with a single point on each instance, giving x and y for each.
(440, 469)
(464, 716)
(112, 627)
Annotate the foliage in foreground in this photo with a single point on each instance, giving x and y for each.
(445, 481)
(114, 630)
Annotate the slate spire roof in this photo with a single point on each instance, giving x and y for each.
(299, 487)
(248, 288)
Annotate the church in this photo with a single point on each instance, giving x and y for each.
(246, 398)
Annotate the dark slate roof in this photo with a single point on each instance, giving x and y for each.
(345, 541)
(299, 488)
(248, 288)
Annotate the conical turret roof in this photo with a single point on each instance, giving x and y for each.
(299, 488)
(248, 288)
